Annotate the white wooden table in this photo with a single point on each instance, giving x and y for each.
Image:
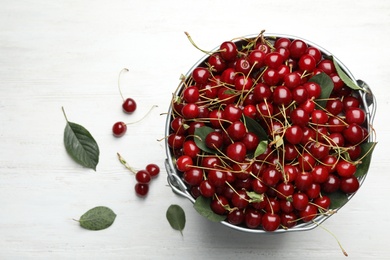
(69, 53)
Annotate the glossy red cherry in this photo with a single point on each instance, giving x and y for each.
(201, 75)
(307, 63)
(300, 201)
(270, 221)
(236, 152)
(294, 134)
(152, 169)
(228, 50)
(253, 218)
(345, 169)
(219, 205)
(141, 189)
(119, 129)
(256, 59)
(282, 96)
(143, 176)
(349, 185)
(297, 48)
(129, 105)
(240, 199)
(191, 94)
(184, 162)
(214, 140)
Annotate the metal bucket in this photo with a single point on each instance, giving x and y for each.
(180, 188)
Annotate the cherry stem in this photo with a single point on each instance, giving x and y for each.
(193, 43)
(119, 85)
(142, 118)
(338, 242)
(63, 111)
(124, 163)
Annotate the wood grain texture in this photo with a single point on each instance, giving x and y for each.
(69, 53)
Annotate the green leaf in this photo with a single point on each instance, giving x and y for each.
(176, 217)
(366, 152)
(200, 138)
(81, 146)
(337, 199)
(253, 126)
(255, 197)
(327, 86)
(344, 77)
(202, 206)
(261, 147)
(97, 218)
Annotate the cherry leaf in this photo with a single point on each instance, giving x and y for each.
(253, 126)
(202, 206)
(344, 77)
(260, 149)
(200, 138)
(97, 218)
(337, 199)
(176, 217)
(81, 146)
(255, 197)
(326, 85)
(367, 150)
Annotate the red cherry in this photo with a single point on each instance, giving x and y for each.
(300, 201)
(191, 94)
(214, 140)
(129, 105)
(322, 202)
(294, 134)
(236, 151)
(240, 199)
(190, 111)
(206, 189)
(349, 185)
(256, 59)
(216, 62)
(142, 176)
(216, 178)
(282, 96)
(307, 63)
(326, 66)
(297, 48)
(299, 117)
(355, 115)
(237, 130)
(228, 50)
(316, 53)
(191, 149)
(119, 129)
(141, 189)
(219, 204)
(345, 169)
(183, 163)
(152, 169)
(282, 43)
(273, 60)
(193, 176)
(253, 218)
(236, 217)
(309, 213)
(270, 221)
(201, 75)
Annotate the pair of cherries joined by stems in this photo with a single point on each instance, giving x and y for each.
(128, 106)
